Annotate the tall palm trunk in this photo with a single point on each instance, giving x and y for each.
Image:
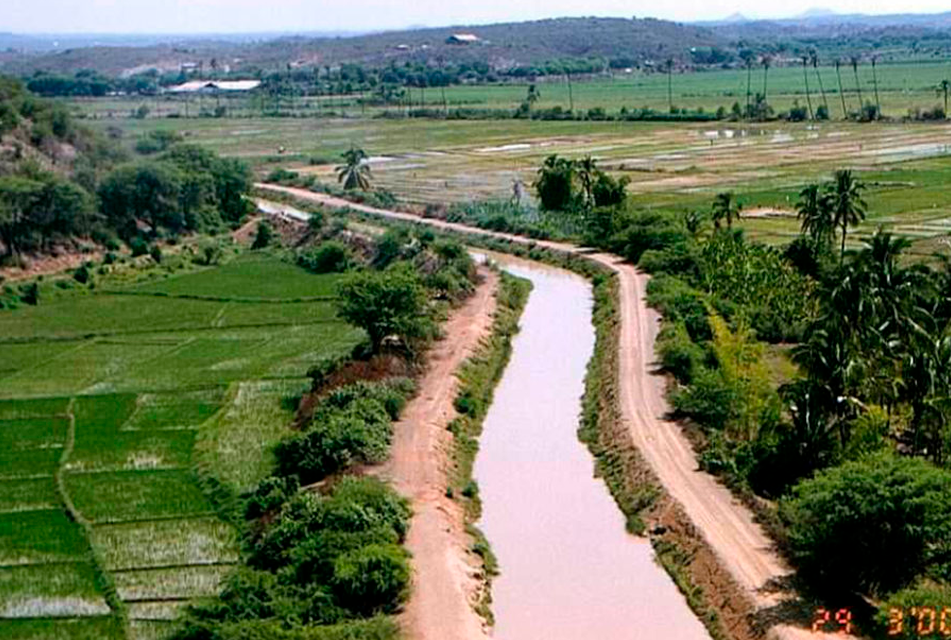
(858, 85)
(838, 74)
(878, 103)
(805, 76)
(822, 90)
(765, 82)
(749, 79)
(670, 89)
(571, 95)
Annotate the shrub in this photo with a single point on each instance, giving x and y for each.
(872, 526)
(328, 257)
(138, 246)
(372, 579)
(264, 235)
(679, 355)
(156, 253)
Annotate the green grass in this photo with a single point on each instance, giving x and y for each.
(136, 495)
(259, 415)
(262, 277)
(17, 409)
(39, 537)
(34, 494)
(99, 628)
(56, 590)
(28, 463)
(30, 433)
(130, 451)
(163, 584)
(165, 543)
(175, 410)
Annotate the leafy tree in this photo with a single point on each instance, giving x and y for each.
(555, 184)
(388, 303)
(355, 172)
(872, 526)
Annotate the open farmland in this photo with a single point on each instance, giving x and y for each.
(901, 87)
(119, 410)
(677, 166)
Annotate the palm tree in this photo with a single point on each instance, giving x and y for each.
(805, 76)
(878, 103)
(844, 199)
(587, 169)
(943, 87)
(767, 60)
(355, 172)
(838, 74)
(858, 87)
(814, 58)
(669, 65)
(747, 56)
(725, 206)
(571, 95)
(816, 217)
(531, 98)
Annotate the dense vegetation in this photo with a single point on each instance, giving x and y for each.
(322, 555)
(59, 182)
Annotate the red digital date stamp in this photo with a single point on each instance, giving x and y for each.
(920, 621)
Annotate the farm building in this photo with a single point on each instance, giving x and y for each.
(462, 38)
(208, 86)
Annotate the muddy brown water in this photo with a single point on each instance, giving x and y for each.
(569, 570)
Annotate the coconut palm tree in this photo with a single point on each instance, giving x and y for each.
(586, 169)
(814, 58)
(355, 172)
(766, 60)
(805, 76)
(838, 74)
(943, 87)
(532, 97)
(844, 199)
(725, 206)
(747, 57)
(815, 215)
(858, 86)
(878, 103)
(669, 65)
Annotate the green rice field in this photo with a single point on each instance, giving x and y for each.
(118, 407)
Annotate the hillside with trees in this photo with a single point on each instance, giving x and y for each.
(59, 182)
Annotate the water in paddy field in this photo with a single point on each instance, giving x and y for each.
(569, 570)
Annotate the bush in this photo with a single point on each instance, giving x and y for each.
(337, 439)
(138, 246)
(372, 579)
(264, 235)
(679, 355)
(329, 257)
(873, 526)
(82, 275)
(156, 253)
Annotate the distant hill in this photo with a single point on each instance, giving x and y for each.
(500, 45)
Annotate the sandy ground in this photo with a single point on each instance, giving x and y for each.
(727, 525)
(446, 583)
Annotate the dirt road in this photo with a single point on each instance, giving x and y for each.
(727, 526)
(444, 573)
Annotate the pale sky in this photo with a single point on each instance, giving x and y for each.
(225, 16)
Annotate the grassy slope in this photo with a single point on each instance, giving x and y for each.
(133, 470)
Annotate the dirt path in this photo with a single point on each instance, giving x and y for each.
(727, 526)
(445, 583)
